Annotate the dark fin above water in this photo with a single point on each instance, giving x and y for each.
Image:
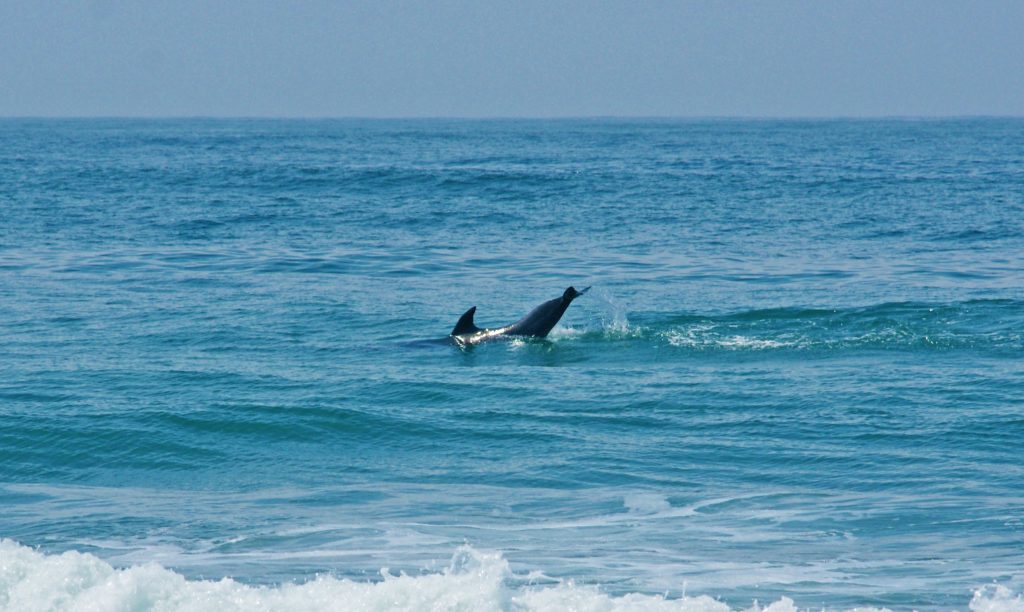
(465, 324)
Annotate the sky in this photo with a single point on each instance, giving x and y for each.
(482, 58)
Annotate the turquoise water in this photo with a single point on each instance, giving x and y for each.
(798, 378)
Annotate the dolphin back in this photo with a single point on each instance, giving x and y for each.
(540, 321)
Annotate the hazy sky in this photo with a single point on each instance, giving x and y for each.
(511, 59)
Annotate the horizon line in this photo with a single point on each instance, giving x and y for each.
(215, 117)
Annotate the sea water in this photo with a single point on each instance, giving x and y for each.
(798, 381)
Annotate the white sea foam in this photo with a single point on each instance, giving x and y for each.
(30, 581)
(474, 580)
(646, 503)
(565, 331)
(704, 337)
(996, 598)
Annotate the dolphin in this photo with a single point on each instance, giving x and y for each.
(536, 324)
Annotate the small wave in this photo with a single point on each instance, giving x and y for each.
(473, 580)
(977, 324)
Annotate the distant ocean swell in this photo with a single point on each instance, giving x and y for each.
(473, 581)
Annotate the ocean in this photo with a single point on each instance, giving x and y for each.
(797, 382)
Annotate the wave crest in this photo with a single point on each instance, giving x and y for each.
(474, 580)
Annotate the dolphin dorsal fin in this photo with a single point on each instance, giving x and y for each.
(465, 324)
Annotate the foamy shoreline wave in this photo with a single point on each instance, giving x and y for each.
(474, 581)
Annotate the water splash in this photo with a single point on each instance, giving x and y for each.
(612, 313)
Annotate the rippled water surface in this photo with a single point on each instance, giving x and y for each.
(799, 374)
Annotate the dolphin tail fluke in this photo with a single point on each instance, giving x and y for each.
(465, 324)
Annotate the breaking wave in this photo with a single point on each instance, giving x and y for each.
(473, 581)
